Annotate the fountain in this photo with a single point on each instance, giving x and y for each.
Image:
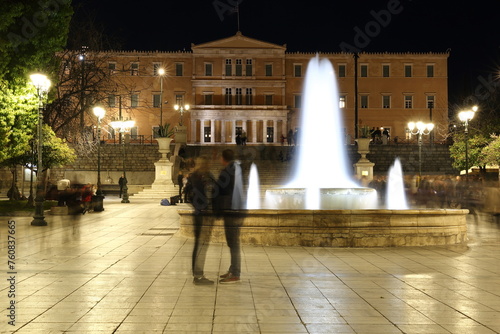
(322, 179)
(396, 197)
(253, 193)
(322, 205)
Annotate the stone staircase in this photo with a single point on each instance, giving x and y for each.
(166, 192)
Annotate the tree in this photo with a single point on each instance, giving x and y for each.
(31, 32)
(55, 152)
(492, 151)
(17, 120)
(476, 143)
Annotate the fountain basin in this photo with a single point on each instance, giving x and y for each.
(327, 198)
(341, 228)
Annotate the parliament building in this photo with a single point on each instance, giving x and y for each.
(238, 84)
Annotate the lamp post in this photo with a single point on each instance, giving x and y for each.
(465, 116)
(123, 126)
(98, 198)
(161, 73)
(420, 129)
(181, 109)
(42, 84)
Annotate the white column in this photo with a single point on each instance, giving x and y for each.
(283, 128)
(233, 131)
(193, 131)
(202, 131)
(275, 132)
(212, 131)
(264, 131)
(223, 131)
(254, 131)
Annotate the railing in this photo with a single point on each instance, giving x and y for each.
(132, 139)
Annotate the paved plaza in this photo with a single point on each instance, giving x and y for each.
(125, 270)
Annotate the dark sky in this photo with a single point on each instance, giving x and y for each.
(470, 29)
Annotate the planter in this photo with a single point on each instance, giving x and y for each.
(363, 146)
(164, 147)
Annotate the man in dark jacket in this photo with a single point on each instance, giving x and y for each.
(228, 199)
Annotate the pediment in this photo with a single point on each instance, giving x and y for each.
(238, 41)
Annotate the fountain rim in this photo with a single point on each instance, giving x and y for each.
(334, 211)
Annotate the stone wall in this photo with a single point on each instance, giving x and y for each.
(140, 161)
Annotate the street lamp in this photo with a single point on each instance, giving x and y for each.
(465, 116)
(42, 84)
(420, 128)
(181, 109)
(98, 198)
(161, 73)
(123, 126)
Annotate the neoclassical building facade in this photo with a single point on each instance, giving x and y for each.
(240, 84)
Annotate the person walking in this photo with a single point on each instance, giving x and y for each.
(202, 182)
(180, 178)
(228, 199)
(121, 183)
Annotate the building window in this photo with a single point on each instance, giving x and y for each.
(239, 67)
(249, 68)
(297, 101)
(342, 101)
(67, 67)
(385, 71)
(179, 99)
(408, 101)
(111, 68)
(430, 101)
(112, 101)
(229, 68)
(156, 100)
(269, 70)
(297, 70)
(208, 69)
(179, 70)
(386, 101)
(364, 71)
(239, 97)
(342, 71)
(134, 69)
(408, 71)
(364, 101)
(268, 100)
(228, 97)
(156, 131)
(249, 97)
(134, 132)
(156, 67)
(134, 100)
(270, 134)
(111, 132)
(430, 71)
(207, 134)
(208, 99)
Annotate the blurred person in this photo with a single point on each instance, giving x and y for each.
(228, 199)
(121, 183)
(202, 182)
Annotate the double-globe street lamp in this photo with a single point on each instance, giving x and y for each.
(99, 112)
(465, 116)
(181, 109)
(123, 125)
(420, 129)
(42, 85)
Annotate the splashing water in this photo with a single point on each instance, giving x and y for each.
(322, 160)
(396, 197)
(253, 193)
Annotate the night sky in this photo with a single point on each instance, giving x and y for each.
(470, 29)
